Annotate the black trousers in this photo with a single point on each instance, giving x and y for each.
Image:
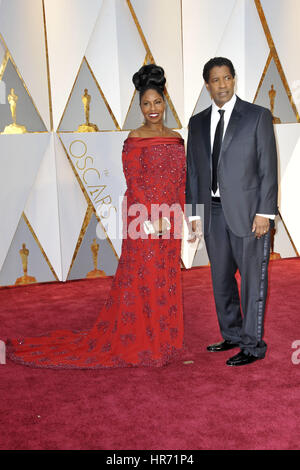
(240, 317)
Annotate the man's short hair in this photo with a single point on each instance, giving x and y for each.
(217, 62)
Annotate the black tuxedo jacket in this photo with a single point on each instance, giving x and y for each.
(247, 168)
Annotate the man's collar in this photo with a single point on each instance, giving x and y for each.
(228, 106)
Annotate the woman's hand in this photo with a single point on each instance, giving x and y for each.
(195, 230)
(161, 226)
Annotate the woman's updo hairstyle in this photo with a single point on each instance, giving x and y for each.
(150, 77)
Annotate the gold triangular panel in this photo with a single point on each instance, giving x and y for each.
(25, 263)
(18, 102)
(272, 95)
(88, 104)
(95, 257)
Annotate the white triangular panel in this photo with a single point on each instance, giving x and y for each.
(21, 156)
(42, 209)
(70, 24)
(204, 101)
(184, 133)
(74, 114)
(83, 264)
(131, 54)
(203, 25)
(232, 45)
(222, 29)
(37, 266)
(160, 21)
(287, 136)
(282, 106)
(97, 159)
(248, 54)
(283, 21)
(289, 204)
(115, 52)
(256, 51)
(72, 206)
(102, 55)
(282, 242)
(22, 27)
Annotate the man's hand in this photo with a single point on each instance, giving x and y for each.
(195, 229)
(260, 226)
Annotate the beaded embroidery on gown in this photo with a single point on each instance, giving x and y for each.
(141, 323)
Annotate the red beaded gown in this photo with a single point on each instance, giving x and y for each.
(141, 323)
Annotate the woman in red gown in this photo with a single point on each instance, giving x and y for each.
(141, 323)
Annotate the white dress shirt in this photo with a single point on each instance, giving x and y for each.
(215, 117)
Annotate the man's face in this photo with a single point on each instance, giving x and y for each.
(220, 85)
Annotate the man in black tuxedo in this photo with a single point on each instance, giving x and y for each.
(232, 170)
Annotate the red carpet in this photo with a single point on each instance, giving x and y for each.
(205, 405)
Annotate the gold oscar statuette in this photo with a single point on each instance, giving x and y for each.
(96, 272)
(13, 128)
(272, 95)
(87, 127)
(25, 279)
(273, 255)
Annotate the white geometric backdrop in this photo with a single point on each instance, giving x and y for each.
(56, 184)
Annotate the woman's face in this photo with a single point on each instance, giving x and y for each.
(152, 106)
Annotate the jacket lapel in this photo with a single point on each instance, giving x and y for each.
(206, 132)
(231, 128)
(232, 125)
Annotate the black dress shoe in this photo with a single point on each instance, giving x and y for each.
(223, 346)
(242, 359)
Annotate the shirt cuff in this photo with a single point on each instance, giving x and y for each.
(194, 217)
(268, 216)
